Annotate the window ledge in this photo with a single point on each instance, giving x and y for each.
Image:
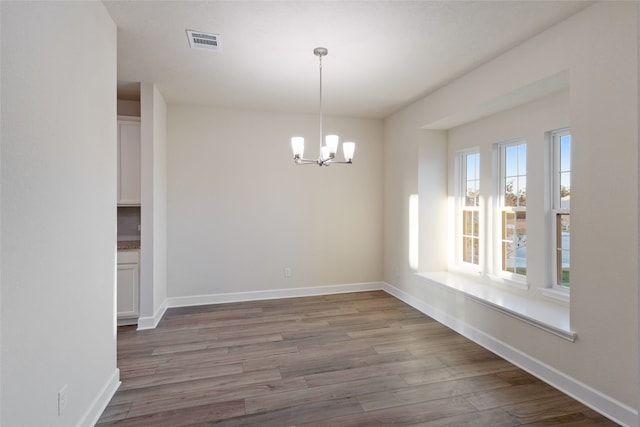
(546, 315)
(555, 294)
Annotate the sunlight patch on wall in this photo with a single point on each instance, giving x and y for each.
(413, 231)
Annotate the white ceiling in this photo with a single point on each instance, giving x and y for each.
(383, 55)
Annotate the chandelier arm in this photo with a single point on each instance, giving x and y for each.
(303, 161)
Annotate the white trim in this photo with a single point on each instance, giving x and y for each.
(273, 294)
(99, 404)
(151, 322)
(596, 400)
(461, 179)
(514, 282)
(555, 293)
(546, 315)
(499, 170)
(555, 137)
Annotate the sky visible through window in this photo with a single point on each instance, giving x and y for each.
(473, 179)
(515, 174)
(563, 218)
(565, 161)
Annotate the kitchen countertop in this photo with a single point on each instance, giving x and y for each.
(128, 244)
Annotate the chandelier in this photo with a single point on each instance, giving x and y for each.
(328, 151)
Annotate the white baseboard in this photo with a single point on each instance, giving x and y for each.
(97, 407)
(150, 322)
(272, 294)
(607, 406)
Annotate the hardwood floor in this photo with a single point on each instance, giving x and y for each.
(360, 359)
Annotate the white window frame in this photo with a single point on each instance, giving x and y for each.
(511, 278)
(556, 206)
(461, 181)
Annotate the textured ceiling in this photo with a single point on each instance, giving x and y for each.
(383, 55)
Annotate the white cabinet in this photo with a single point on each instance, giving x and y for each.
(128, 286)
(128, 161)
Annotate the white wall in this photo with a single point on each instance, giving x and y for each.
(599, 48)
(159, 200)
(240, 211)
(153, 235)
(58, 211)
(0, 219)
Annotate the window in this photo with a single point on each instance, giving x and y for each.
(470, 207)
(501, 233)
(512, 202)
(561, 204)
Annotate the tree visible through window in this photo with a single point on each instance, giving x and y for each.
(513, 181)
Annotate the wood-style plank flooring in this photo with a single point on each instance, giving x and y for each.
(359, 359)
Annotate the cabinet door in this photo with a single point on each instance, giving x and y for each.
(128, 163)
(128, 305)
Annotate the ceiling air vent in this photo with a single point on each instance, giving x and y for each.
(200, 40)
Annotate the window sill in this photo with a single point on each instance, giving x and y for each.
(555, 294)
(520, 284)
(546, 315)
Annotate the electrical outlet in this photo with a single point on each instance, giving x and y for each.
(287, 272)
(62, 399)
